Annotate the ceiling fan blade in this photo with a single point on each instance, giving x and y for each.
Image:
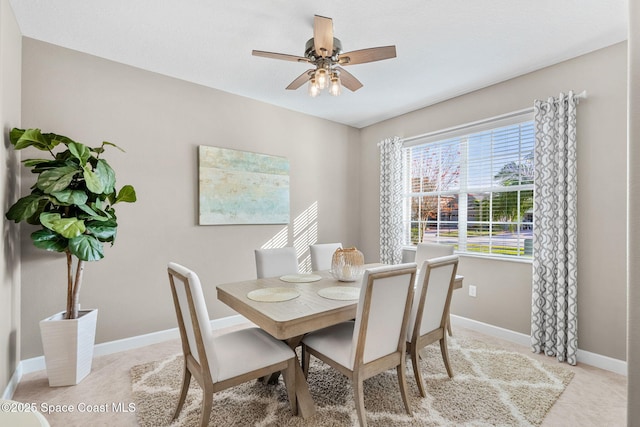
(282, 56)
(300, 80)
(323, 35)
(367, 55)
(348, 80)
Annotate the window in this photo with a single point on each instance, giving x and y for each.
(472, 187)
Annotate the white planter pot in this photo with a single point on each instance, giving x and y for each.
(68, 346)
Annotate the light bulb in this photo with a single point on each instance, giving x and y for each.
(335, 88)
(313, 88)
(322, 78)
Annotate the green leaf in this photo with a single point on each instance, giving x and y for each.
(93, 181)
(49, 240)
(24, 207)
(29, 163)
(48, 218)
(113, 145)
(127, 194)
(55, 180)
(102, 211)
(86, 248)
(80, 152)
(105, 231)
(107, 175)
(31, 137)
(39, 167)
(15, 135)
(35, 218)
(71, 197)
(97, 205)
(59, 139)
(67, 227)
(93, 214)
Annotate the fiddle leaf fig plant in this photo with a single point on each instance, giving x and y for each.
(72, 200)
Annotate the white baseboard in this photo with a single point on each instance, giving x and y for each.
(603, 362)
(35, 364)
(13, 383)
(586, 357)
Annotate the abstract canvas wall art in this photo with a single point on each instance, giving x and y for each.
(239, 187)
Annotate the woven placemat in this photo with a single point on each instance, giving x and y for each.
(300, 278)
(343, 293)
(273, 294)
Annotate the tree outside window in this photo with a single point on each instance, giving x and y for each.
(474, 191)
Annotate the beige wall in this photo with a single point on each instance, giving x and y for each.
(160, 122)
(504, 288)
(633, 352)
(10, 58)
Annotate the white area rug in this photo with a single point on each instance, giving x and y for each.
(491, 387)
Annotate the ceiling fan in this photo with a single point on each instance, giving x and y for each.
(325, 53)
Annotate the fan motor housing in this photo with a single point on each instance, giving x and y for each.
(310, 49)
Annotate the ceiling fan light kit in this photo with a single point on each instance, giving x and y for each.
(324, 52)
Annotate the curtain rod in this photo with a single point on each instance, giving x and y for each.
(578, 97)
(581, 95)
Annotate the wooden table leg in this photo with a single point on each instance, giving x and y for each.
(306, 406)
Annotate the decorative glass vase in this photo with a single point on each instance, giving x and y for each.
(347, 265)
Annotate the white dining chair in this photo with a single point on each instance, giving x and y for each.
(322, 255)
(429, 312)
(219, 362)
(275, 262)
(428, 250)
(375, 341)
(27, 417)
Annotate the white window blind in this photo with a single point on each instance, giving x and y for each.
(474, 190)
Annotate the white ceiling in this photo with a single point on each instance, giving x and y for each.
(445, 48)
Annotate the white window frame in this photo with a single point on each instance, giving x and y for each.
(514, 118)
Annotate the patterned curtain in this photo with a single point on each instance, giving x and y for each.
(391, 200)
(554, 311)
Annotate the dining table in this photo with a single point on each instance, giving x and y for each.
(288, 307)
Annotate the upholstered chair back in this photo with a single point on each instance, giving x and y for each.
(193, 318)
(276, 262)
(322, 255)
(433, 294)
(383, 310)
(428, 250)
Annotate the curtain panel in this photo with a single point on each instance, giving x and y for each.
(391, 200)
(554, 313)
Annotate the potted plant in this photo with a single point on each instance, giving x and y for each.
(73, 203)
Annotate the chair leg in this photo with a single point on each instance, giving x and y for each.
(402, 382)
(207, 405)
(444, 349)
(272, 379)
(306, 359)
(417, 373)
(289, 376)
(186, 380)
(358, 395)
(449, 325)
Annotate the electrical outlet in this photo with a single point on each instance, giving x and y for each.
(472, 290)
